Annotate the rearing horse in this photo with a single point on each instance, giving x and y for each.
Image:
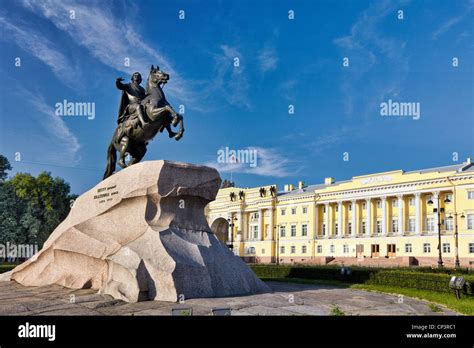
(158, 113)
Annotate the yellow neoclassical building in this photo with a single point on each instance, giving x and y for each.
(389, 218)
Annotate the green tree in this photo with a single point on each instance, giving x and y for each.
(31, 207)
(4, 167)
(11, 210)
(47, 203)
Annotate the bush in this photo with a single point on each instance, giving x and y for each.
(414, 280)
(401, 277)
(6, 267)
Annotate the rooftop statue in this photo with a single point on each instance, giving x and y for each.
(142, 114)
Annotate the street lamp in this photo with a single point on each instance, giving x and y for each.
(457, 264)
(439, 211)
(278, 244)
(231, 226)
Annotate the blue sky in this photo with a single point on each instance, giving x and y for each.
(282, 62)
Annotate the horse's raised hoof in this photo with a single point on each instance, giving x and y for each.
(178, 136)
(122, 164)
(172, 134)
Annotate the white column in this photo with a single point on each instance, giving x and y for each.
(270, 224)
(384, 216)
(354, 218)
(369, 218)
(340, 230)
(417, 213)
(231, 224)
(316, 221)
(240, 235)
(326, 219)
(436, 206)
(401, 217)
(260, 220)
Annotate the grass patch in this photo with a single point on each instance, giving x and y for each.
(434, 308)
(465, 305)
(336, 311)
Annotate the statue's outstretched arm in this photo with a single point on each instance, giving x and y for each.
(119, 84)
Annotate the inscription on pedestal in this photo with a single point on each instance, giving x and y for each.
(105, 194)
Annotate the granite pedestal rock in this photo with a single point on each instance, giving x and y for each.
(141, 234)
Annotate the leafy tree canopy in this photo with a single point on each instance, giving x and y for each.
(31, 207)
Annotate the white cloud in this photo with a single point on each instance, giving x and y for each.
(364, 47)
(43, 49)
(267, 58)
(68, 144)
(109, 39)
(451, 22)
(288, 89)
(230, 80)
(269, 163)
(327, 140)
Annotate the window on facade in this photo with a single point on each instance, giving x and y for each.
(430, 225)
(364, 225)
(304, 230)
(331, 249)
(282, 231)
(470, 221)
(429, 198)
(337, 208)
(336, 228)
(324, 209)
(319, 249)
(282, 250)
(323, 229)
(408, 248)
(470, 194)
(379, 204)
(293, 211)
(471, 248)
(293, 249)
(394, 203)
(345, 249)
(251, 250)
(446, 248)
(411, 225)
(263, 251)
(283, 212)
(349, 207)
(364, 205)
(449, 197)
(394, 225)
(411, 201)
(379, 226)
(255, 231)
(349, 227)
(426, 248)
(293, 230)
(449, 224)
(303, 249)
(305, 210)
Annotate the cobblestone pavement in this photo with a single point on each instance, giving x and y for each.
(286, 299)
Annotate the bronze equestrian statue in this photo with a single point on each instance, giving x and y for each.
(142, 114)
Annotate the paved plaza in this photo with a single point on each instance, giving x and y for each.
(286, 299)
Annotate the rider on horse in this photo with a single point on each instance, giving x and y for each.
(131, 107)
(137, 105)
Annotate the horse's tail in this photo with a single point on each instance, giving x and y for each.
(111, 160)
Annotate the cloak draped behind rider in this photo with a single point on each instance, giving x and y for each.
(133, 89)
